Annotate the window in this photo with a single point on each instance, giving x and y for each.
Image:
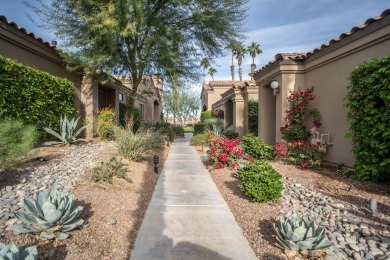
(142, 108)
(120, 96)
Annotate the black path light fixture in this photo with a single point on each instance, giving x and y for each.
(156, 160)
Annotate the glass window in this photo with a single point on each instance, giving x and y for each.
(142, 108)
(120, 97)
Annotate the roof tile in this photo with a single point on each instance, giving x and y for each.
(302, 56)
(23, 30)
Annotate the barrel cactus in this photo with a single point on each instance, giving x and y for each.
(51, 214)
(11, 252)
(295, 232)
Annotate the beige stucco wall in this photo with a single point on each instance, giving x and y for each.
(328, 71)
(329, 76)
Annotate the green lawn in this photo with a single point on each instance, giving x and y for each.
(188, 129)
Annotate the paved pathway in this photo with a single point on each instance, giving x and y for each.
(187, 217)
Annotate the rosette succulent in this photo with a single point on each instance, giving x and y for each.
(11, 252)
(51, 214)
(295, 232)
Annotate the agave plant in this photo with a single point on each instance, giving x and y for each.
(11, 252)
(295, 232)
(67, 135)
(51, 213)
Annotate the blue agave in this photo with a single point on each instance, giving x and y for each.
(51, 214)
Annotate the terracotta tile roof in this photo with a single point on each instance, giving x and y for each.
(302, 56)
(23, 30)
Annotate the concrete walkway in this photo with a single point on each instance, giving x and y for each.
(187, 217)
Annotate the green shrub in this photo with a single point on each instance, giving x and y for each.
(368, 101)
(105, 171)
(199, 128)
(106, 123)
(136, 146)
(199, 138)
(16, 140)
(122, 114)
(32, 96)
(260, 182)
(162, 127)
(253, 116)
(205, 115)
(257, 148)
(178, 129)
(231, 134)
(169, 132)
(137, 119)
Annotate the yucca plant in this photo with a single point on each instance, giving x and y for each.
(216, 125)
(11, 252)
(51, 214)
(67, 135)
(295, 232)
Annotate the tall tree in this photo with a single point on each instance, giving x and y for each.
(232, 46)
(240, 52)
(183, 104)
(212, 71)
(138, 37)
(253, 50)
(205, 64)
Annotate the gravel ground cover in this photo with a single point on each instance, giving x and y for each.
(68, 168)
(336, 203)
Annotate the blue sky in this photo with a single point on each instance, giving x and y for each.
(277, 25)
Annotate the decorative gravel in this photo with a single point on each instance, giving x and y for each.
(329, 199)
(63, 171)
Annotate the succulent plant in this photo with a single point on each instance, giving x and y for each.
(51, 213)
(66, 136)
(295, 232)
(11, 252)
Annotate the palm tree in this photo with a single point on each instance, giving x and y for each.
(205, 64)
(253, 50)
(212, 71)
(232, 45)
(240, 51)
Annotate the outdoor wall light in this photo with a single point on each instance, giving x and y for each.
(156, 160)
(275, 87)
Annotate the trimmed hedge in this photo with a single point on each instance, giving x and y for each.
(199, 128)
(33, 96)
(368, 101)
(260, 182)
(253, 117)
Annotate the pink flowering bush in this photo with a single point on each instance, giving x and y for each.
(226, 152)
(298, 101)
(300, 153)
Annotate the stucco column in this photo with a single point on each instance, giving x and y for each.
(89, 101)
(239, 115)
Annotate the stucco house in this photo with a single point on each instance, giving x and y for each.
(90, 95)
(232, 98)
(327, 68)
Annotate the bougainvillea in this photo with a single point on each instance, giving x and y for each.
(301, 153)
(298, 101)
(226, 152)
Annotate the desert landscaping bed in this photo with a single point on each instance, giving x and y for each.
(342, 209)
(122, 203)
